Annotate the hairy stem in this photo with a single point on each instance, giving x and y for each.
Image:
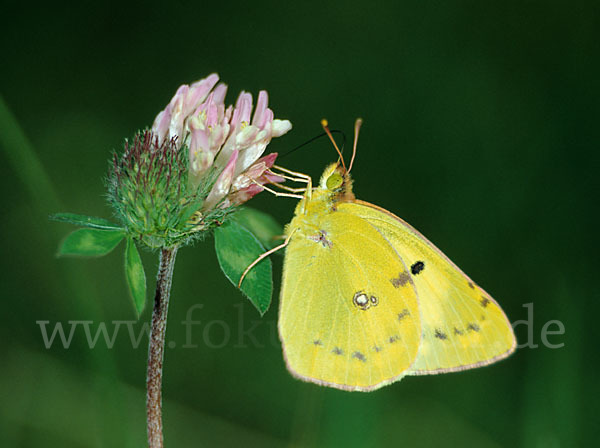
(156, 347)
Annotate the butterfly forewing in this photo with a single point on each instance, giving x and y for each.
(349, 315)
(462, 326)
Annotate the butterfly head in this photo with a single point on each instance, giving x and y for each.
(337, 182)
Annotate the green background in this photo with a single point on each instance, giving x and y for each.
(481, 130)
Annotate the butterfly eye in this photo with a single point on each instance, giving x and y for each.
(334, 181)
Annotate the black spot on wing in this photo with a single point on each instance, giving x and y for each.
(471, 285)
(402, 279)
(359, 356)
(417, 268)
(484, 301)
(403, 314)
(440, 334)
(337, 351)
(458, 332)
(318, 342)
(394, 338)
(473, 327)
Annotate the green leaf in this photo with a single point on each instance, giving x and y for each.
(236, 249)
(91, 242)
(135, 275)
(85, 221)
(262, 225)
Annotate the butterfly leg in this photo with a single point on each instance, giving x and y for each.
(303, 179)
(291, 190)
(300, 177)
(294, 179)
(279, 193)
(263, 256)
(306, 178)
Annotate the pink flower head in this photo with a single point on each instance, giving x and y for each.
(228, 139)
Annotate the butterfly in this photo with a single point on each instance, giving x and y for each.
(366, 299)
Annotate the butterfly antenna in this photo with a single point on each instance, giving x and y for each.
(357, 126)
(325, 125)
(333, 131)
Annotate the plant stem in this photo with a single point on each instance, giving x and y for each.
(156, 347)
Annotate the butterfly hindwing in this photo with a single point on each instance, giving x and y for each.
(462, 326)
(343, 322)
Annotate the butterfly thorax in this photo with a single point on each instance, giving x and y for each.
(334, 187)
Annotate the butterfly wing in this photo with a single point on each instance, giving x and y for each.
(341, 322)
(462, 325)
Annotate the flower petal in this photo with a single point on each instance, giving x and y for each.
(280, 127)
(198, 92)
(223, 183)
(261, 107)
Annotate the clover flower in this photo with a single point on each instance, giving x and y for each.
(222, 138)
(198, 161)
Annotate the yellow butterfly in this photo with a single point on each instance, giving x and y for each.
(366, 299)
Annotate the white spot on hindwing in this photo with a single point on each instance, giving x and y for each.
(361, 299)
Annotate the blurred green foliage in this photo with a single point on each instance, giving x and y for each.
(481, 130)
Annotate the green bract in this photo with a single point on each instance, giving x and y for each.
(149, 190)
